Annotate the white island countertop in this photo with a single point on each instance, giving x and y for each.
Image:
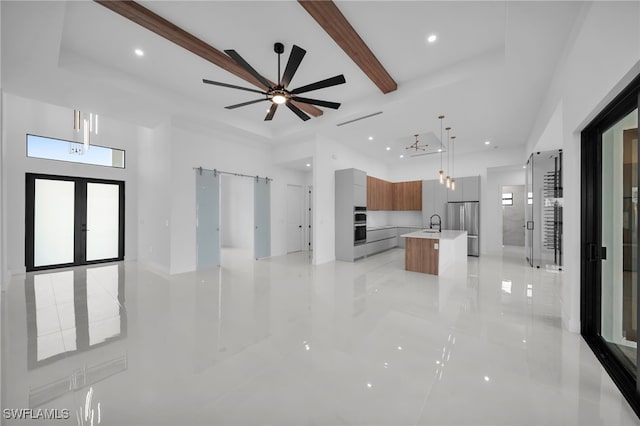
(443, 235)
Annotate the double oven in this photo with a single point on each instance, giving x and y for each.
(359, 225)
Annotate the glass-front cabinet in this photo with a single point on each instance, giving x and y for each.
(543, 211)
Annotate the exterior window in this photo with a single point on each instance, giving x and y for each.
(74, 152)
(507, 198)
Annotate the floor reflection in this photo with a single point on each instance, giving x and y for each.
(72, 311)
(279, 341)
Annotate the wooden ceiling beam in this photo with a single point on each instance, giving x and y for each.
(327, 14)
(166, 29)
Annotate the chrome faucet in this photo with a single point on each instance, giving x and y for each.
(439, 223)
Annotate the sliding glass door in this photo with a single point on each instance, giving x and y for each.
(207, 219)
(609, 265)
(72, 221)
(262, 218)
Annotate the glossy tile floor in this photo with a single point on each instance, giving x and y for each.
(282, 342)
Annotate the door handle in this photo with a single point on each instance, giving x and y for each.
(596, 253)
(530, 225)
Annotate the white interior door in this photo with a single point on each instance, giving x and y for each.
(310, 218)
(295, 218)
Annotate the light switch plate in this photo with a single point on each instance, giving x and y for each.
(436, 246)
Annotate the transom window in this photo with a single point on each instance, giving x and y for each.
(74, 152)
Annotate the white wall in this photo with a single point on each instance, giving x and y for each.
(154, 201)
(236, 209)
(23, 116)
(601, 58)
(215, 150)
(330, 156)
(4, 276)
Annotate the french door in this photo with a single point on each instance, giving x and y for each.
(72, 221)
(609, 240)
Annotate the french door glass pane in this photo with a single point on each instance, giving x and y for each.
(54, 208)
(55, 314)
(102, 221)
(619, 235)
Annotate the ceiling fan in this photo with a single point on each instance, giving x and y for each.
(278, 94)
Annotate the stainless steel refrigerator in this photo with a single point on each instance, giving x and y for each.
(465, 216)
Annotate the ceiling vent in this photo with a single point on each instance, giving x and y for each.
(359, 118)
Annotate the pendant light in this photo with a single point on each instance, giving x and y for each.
(88, 123)
(441, 172)
(453, 162)
(448, 179)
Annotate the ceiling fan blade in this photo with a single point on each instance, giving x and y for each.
(298, 111)
(297, 53)
(232, 86)
(245, 103)
(271, 112)
(333, 81)
(318, 102)
(244, 64)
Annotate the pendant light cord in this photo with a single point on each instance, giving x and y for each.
(441, 146)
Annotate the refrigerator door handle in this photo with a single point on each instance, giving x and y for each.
(462, 228)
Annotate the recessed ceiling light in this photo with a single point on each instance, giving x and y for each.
(370, 138)
(524, 167)
(308, 165)
(439, 149)
(432, 38)
(401, 156)
(487, 142)
(388, 148)
(139, 52)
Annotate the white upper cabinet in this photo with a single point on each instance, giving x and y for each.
(470, 188)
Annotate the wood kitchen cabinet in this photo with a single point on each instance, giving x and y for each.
(383, 195)
(379, 194)
(422, 255)
(407, 195)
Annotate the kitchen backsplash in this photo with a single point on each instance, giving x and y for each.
(406, 218)
(377, 218)
(398, 218)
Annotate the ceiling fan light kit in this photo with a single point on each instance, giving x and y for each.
(278, 93)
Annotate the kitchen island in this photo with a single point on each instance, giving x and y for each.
(433, 252)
